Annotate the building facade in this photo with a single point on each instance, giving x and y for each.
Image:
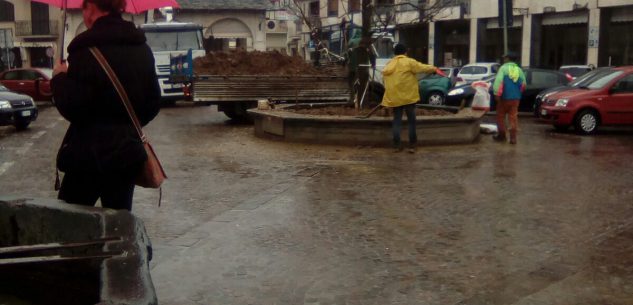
(29, 34)
(31, 31)
(545, 33)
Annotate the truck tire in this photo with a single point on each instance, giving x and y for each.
(232, 114)
(238, 111)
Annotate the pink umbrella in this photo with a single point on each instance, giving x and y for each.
(132, 7)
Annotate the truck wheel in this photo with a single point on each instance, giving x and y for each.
(239, 112)
(232, 114)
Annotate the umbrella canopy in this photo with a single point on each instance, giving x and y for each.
(133, 6)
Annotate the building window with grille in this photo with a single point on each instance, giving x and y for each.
(354, 6)
(314, 9)
(6, 11)
(332, 8)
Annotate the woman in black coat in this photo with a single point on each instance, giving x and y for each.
(101, 153)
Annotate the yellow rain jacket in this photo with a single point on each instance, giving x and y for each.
(401, 82)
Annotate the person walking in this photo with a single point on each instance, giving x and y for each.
(508, 87)
(101, 154)
(402, 92)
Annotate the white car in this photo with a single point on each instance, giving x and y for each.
(477, 71)
(576, 70)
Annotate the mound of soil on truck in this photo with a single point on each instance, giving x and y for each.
(350, 111)
(254, 63)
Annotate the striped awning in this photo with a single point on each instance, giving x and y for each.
(565, 18)
(493, 23)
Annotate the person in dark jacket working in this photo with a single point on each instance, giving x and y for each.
(101, 153)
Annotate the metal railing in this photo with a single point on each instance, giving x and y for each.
(36, 28)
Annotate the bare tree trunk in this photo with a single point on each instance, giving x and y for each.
(367, 14)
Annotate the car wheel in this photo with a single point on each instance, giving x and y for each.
(587, 122)
(436, 99)
(561, 127)
(22, 125)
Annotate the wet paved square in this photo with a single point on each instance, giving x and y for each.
(249, 221)
(548, 221)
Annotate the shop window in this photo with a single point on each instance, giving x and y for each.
(332, 8)
(6, 11)
(354, 6)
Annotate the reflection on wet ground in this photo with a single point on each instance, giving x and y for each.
(247, 221)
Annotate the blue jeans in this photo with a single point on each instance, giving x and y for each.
(397, 124)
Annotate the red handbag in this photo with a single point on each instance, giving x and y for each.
(152, 175)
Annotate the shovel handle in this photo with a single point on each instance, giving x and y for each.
(373, 111)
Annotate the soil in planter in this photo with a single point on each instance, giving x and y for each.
(350, 111)
(255, 63)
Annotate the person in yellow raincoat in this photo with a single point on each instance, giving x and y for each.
(402, 92)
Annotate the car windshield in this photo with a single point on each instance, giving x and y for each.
(602, 80)
(474, 70)
(575, 71)
(422, 76)
(177, 40)
(47, 72)
(589, 77)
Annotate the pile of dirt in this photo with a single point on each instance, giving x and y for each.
(253, 63)
(351, 111)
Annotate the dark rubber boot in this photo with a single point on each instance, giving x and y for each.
(500, 137)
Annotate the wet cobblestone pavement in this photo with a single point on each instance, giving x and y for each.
(545, 222)
(249, 221)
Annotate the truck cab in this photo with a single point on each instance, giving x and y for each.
(167, 40)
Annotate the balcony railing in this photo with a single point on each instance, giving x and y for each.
(36, 28)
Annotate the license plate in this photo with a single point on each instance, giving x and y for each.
(543, 112)
(26, 113)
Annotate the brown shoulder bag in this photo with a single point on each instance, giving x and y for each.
(152, 175)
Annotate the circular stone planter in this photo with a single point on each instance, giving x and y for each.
(459, 128)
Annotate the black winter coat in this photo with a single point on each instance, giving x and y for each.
(101, 137)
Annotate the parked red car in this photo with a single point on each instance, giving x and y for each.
(606, 100)
(34, 82)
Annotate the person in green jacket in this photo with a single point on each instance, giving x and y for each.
(508, 87)
(402, 92)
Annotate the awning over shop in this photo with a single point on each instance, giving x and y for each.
(565, 18)
(276, 40)
(493, 23)
(229, 28)
(35, 44)
(622, 14)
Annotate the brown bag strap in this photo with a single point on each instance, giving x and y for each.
(121, 90)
